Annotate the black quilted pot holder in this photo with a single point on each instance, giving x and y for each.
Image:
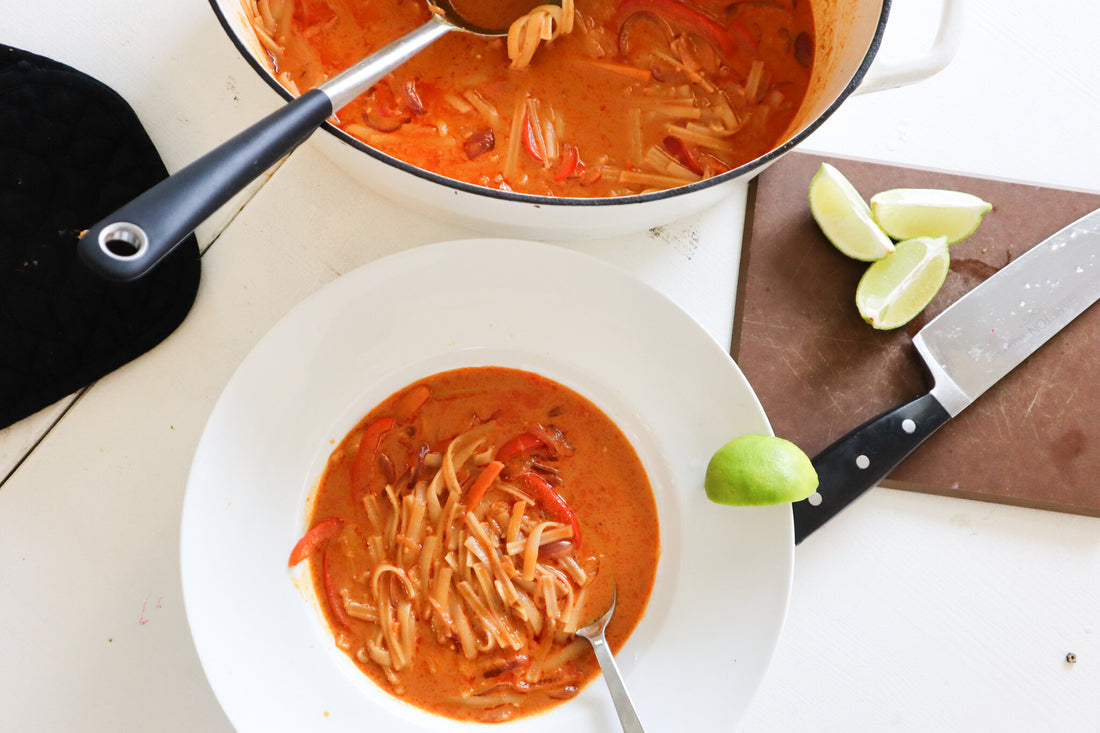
(71, 152)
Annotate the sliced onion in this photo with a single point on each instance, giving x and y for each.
(551, 550)
(382, 111)
(413, 97)
(639, 34)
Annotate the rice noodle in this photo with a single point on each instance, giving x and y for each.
(652, 179)
(515, 138)
(263, 9)
(692, 74)
(706, 139)
(477, 582)
(542, 24)
(754, 84)
(488, 111)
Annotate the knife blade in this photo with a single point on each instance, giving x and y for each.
(967, 349)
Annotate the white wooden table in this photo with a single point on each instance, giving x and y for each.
(909, 612)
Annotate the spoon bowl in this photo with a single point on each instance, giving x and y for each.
(594, 632)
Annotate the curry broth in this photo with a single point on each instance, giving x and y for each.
(602, 480)
(642, 95)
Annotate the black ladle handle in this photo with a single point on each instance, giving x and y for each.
(132, 240)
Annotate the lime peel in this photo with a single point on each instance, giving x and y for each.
(845, 218)
(907, 213)
(759, 470)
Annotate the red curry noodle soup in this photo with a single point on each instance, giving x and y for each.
(641, 95)
(466, 527)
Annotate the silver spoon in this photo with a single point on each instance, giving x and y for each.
(132, 240)
(594, 632)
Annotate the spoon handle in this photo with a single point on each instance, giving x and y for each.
(628, 717)
(132, 240)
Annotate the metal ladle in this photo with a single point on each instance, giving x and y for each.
(133, 239)
(594, 632)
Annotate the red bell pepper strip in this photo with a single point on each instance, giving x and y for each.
(529, 140)
(316, 536)
(368, 447)
(517, 445)
(481, 484)
(684, 152)
(554, 503)
(725, 38)
(332, 595)
(569, 159)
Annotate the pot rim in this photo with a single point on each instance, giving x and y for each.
(751, 168)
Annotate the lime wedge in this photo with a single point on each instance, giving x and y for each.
(905, 213)
(757, 470)
(900, 285)
(845, 218)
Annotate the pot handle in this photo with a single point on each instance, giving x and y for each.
(894, 74)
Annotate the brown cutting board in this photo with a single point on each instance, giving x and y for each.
(819, 370)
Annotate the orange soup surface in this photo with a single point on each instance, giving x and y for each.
(464, 530)
(641, 95)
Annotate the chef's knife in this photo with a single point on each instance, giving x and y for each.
(967, 349)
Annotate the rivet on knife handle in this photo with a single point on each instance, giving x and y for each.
(863, 457)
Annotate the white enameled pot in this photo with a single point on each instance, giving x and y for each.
(848, 34)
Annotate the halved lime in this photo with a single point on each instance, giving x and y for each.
(845, 218)
(756, 470)
(905, 213)
(900, 285)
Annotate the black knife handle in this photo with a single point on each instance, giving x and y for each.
(863, 457)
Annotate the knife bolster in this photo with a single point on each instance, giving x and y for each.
(946, 391)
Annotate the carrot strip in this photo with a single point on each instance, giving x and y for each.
(631, 72)
(481, 484)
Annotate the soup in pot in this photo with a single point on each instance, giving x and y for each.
(630, 96)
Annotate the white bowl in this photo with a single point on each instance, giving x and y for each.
(723, 578)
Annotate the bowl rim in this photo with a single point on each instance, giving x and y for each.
(746, 170)
(247, 487)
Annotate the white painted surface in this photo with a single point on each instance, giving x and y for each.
(908, 613)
